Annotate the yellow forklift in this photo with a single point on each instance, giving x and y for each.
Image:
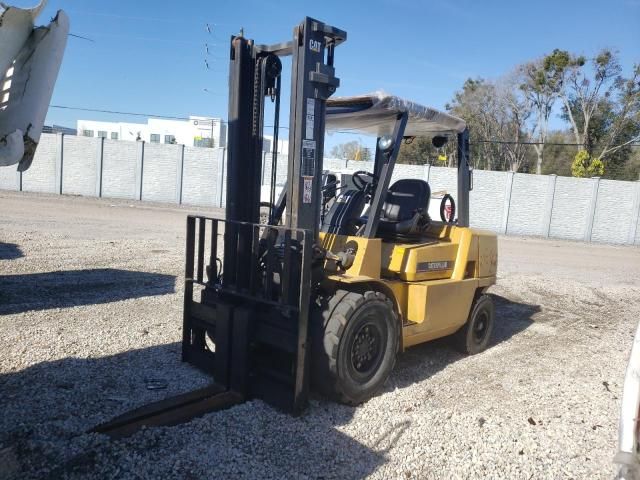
(327, 297)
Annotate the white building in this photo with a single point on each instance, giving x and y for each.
(197, 131)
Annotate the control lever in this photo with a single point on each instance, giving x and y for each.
(344, 260)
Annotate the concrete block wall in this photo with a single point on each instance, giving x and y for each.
(80, 171)
(571, 205)
(45, 172)
(202, 169)
(9, 178)
(487, 200)
(526, 210)
(615, 205)
(161, 168)
(509, 203)
(119, 162)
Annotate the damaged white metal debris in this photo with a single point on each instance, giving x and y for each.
(30, 59)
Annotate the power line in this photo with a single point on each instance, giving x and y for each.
(539, 143)
(175, 117)
(127, 38)
(80, 36)
(167, 19)
(170, 19)
(134, 114)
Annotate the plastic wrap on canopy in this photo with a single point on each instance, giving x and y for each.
(375, 114)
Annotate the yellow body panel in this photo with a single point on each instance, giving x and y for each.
(368, 257)
(433, 282)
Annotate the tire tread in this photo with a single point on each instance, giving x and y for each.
(328, 330)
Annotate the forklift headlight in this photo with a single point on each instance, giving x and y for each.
(385, 143)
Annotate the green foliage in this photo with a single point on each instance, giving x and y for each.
(557, 156)
(631, 170)
(420, 151)
(558, 59)
(584, 165)
(550, 75)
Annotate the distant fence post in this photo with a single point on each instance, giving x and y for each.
(548, 205)
(139, 168)
(179, 174)
(591, 213)
(221, 154)
(635, 213)
(99, 163)
(59, 162)
(18, 181)
(507, 203)
(427, 172)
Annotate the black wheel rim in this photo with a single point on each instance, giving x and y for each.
(366, 350)
(480, 327)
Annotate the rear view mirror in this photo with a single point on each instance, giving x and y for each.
(439, 141)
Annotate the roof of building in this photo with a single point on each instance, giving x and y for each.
(376, 113)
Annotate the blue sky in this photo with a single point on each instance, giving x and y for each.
(149, 56)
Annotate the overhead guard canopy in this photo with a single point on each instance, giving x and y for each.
(376, 113)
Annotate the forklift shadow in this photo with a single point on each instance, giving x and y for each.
(425, 360)
(43, 291)
(56, 402)
(10, 251)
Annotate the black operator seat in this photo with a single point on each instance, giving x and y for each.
(405, 209)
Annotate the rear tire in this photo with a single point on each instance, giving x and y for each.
(474, 335)
(355, 343)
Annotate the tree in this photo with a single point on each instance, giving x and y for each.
(420, 151)
(606, 118)
(474, 104)
(559, 155)
(623, 115)
(351, 151)
(496, 115)
(514, 112)
(541, 82)
(631, 169)
(601, 106)
(416, 152)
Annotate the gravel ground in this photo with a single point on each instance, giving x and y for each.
(90, 315)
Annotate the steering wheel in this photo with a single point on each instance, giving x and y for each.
(359, 181)
(447, 215)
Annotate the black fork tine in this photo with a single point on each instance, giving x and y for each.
(213, 258)
(201, 232)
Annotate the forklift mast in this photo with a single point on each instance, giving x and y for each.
(255, 303)
(255, 74)
(313, 81)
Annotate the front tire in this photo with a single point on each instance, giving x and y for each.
(474, 335)
(356, 338)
